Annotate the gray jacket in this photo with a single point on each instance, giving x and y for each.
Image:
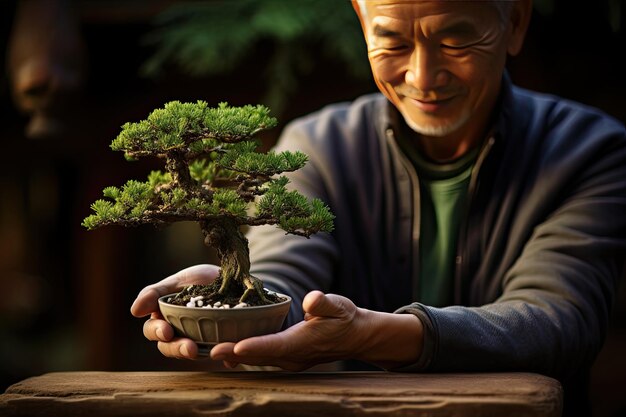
(540, 252)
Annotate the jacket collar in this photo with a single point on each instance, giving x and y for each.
(510, 118)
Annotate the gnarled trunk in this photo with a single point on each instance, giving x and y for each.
(234, 257)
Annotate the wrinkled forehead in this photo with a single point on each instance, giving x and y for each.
(404, 8)
(363, 3)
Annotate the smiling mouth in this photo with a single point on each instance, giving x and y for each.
(431, 106)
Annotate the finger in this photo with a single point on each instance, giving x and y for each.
(222, 350)
(277, 345)
(226, 350)
(197, 274)
(230, 365)
(156, 329)
(316, 303)
(232, 355)
(147, 299)
(180, 348)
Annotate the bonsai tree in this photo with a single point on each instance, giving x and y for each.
(214, 176)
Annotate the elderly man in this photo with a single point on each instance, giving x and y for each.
(491, 217)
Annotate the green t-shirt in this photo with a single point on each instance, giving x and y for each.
(443, 190)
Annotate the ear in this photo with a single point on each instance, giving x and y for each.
(519, 20)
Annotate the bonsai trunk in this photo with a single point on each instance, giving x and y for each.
(234, 257)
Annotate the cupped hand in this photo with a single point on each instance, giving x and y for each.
(333, 329)
(156, 328)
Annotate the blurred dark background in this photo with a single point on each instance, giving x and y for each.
(74, 71)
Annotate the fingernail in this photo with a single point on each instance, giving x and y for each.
(160, 335)
(184, 350)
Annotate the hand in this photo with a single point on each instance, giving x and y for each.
(333, 329)
(156, 328)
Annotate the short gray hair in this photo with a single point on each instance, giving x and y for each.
(503, 6)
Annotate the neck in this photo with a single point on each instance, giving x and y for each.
(448, 148)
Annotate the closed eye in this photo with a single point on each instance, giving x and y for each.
(454, 47)
(396, 47)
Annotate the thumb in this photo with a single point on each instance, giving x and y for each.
(316, 303)
(147, 300)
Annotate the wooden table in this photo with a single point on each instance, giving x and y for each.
(277, 394)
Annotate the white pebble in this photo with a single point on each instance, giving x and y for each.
(241, 305)
(200, 303)
(191, 304)
(217, 304)
(226, 305)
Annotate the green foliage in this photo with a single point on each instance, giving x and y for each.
(128, 203)
(209, 38)
(134, 192)
(293, 212)
(203, 170)
(178, 197)
(226, 123)
(158, 178)
(191, 127)
(104, 212)
(213, 172)
(111, 192)
(267, 164)
(223, 203)
(226, 158)
(229, 202)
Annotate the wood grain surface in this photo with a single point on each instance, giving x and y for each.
(282, 394)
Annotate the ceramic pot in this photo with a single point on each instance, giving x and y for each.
(210, 326)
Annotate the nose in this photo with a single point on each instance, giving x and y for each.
(425, 71)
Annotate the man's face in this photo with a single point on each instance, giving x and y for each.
(439, 62)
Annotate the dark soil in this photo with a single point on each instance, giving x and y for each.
(211, 295)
